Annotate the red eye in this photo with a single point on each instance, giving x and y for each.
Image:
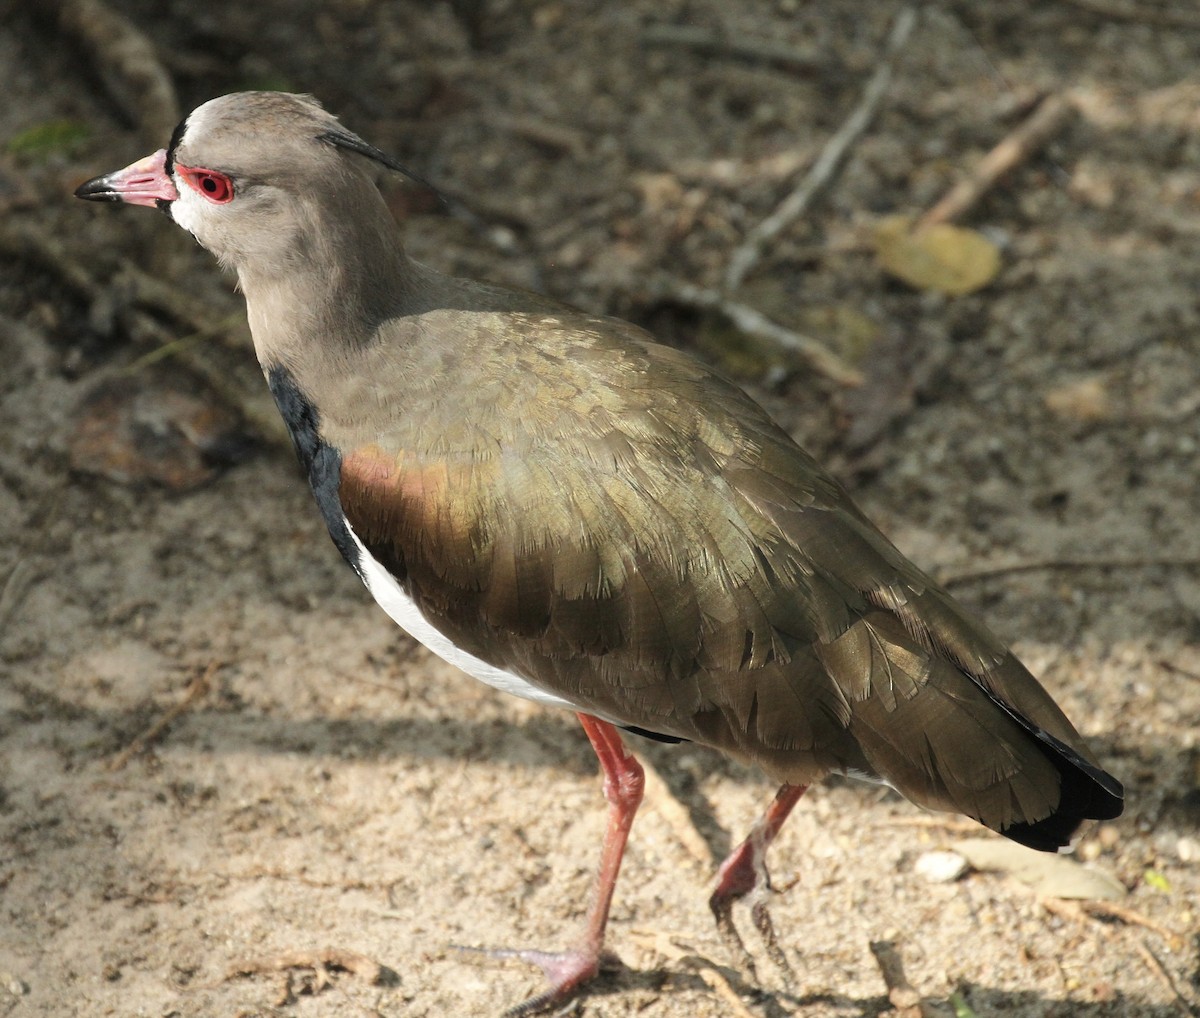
(214, 186)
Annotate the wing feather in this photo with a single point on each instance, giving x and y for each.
(647, 543)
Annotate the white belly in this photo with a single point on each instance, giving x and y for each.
(404, 612)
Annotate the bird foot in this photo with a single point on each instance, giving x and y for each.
(722, 909)
(744, 874)
(766, 929)
(566, 972)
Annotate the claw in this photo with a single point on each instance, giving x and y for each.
(722, 910)
(569, 970)
(762, 922)
(565, 971)
(743, 873)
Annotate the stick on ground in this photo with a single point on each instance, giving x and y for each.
(754, 323)
(987, 572)
(127, 64)
(675, 813)
(902, 995)
(677, 952)
(747, 255)
(1139, 13)
(1110, 910)
(1152, 962)
(691, 37)
(1027, 138)
(196, 689)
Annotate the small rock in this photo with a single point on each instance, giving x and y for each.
(941, 867)
(1188, 850)
(11, 984)
(1085, 400)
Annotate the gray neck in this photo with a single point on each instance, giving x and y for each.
(342, 273)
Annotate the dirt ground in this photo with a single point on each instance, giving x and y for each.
(322, 788)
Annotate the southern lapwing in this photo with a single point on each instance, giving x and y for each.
(567, 510)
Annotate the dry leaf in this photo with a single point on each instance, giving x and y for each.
(1050, 875)
(949, 259)
(165, 427)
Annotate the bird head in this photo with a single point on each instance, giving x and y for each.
(252, 175)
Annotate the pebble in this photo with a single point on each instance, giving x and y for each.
(941, 867)
(17, 987)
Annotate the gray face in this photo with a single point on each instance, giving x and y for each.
(251, 171)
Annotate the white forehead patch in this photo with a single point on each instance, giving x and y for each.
(197, 120)
(190, 208)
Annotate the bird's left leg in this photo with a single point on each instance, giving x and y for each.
(624, 782)
(744, 870)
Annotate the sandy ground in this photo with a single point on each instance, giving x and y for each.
(326, 790)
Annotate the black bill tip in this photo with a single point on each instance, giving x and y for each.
(98, 189)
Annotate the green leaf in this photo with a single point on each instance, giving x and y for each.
(1157, 881)
(961, 1008)
(47, 138)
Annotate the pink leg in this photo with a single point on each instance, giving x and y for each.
(624, 782)
(746, 869)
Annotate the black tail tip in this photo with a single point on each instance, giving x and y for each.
(1088, 793)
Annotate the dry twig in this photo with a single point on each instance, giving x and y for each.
(951, 579)
(1160, 970)
(1111, 909)
(678, 952)
(754, 323)
(659, 795)
(196, 689)
(180, 346)
(1095, 908)
(21, 240)
(15, 587)
(276, 873)
(747, 255)
(127, 63)
(902, 995)
(24, 570)
(1174, 669)
(1029, 136)
(1068, 910)
(25, 240)
(544, 133)
(936, 823)
(155, 293)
